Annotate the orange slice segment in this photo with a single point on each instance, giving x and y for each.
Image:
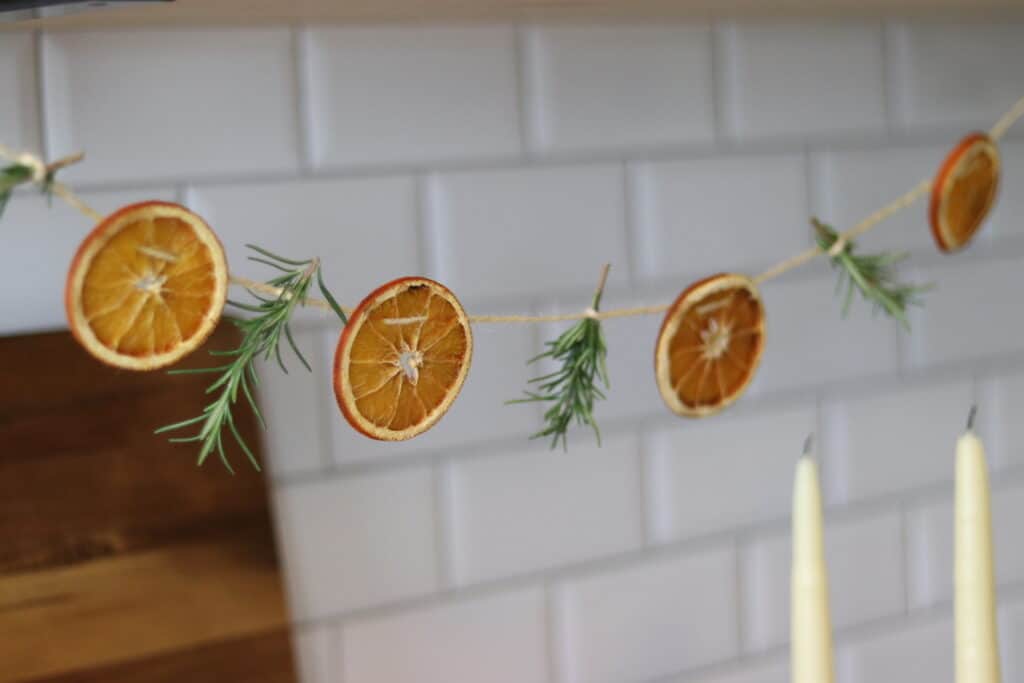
(402, 359)
(964, 191)
(147, 286)
(709, 345)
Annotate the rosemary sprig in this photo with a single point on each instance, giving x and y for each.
(10, 177)
(261, 337)
(17, 174)
(573, 389)
(873, 275)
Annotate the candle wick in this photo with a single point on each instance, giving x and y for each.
(808, 443)
(970, 417)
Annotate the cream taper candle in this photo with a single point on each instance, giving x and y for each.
(811, 628)
(977, 646)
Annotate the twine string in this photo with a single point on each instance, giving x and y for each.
(998, 130)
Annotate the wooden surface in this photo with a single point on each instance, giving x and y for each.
(278, 11)
(119, 558)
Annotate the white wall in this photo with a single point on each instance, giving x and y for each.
(510, 162)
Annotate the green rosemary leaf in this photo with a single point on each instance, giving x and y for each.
(246, 307)
(295, 348)
(266, 262)
(242, 444)
(330, 297)
(274, 256)
(177, 425)
(252, 402)
(280, 362)
(197, 371)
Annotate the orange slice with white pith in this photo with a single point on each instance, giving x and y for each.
(147, 286)
(964, 191)
(709, 345)
(402, 359)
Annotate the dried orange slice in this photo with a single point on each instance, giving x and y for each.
(147, 286)
(964, 191)
(709, 345)
(402, 359)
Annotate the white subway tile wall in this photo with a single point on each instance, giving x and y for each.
(511, 162)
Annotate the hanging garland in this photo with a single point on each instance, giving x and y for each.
(149, 284)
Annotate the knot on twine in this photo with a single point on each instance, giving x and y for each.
(590, 313)
(34, 163)
(837, 247)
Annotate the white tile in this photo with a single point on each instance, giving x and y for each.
(358, 542)
(853, 183)
(1000, 402)
(39, 241)
(19, 114)
(809, 341)
(915, 653)
(194, 102)
(605, 86)
(648, 620)
(894, 440)
(542, 508)
(364, 230)
(408, 94)
(930, 538)
(775, 670)
(292, 405)
(528, 231)
(802, 79)
(706, 215)
(960, 73)
(965, 315)
(313, 648)
(693, 471)
(478, 415)
(498, 639)
(865, 563)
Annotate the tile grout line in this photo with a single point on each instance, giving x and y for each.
(905, 556)
(43, 113)
(305, 129)
(553, 631)
(424, 227)
(525, 95)
(741, 596)
(444, 525)
(717, 85)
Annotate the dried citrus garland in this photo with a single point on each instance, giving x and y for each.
(148, 284)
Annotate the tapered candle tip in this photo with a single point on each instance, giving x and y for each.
(808, 444)
(970, 417)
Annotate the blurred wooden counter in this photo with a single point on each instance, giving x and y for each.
(119, 558)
